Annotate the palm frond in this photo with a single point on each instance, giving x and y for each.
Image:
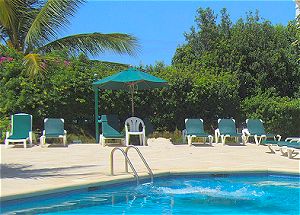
(8, 12)
(8, 17)
(94, 44)
(34, 64)
(2, 47)
(52, 16)
(2, 34)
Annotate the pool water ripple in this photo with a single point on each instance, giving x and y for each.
(233, 194)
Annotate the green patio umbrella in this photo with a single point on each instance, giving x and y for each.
(130, 80)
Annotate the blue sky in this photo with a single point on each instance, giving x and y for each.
(159, 25)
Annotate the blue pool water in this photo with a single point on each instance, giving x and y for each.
(197, 194)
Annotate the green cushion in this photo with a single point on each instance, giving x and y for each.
(53, 135)
(227, 127)
(53, 127)
(21, 126)
(111, 126)
(15, 137)
(195, 127)
(255, 127)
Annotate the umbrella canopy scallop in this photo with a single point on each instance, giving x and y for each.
(126, 79)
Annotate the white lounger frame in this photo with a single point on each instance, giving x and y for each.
(285, 150)
(189, 137)
(24, 141)
(63, 137)
(223, 137)
(102, 140)
(258, 139)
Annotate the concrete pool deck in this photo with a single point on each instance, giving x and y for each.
(39, 170)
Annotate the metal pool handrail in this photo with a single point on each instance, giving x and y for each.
(127, 161)
(142, 158)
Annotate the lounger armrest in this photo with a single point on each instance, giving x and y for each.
(217, 131)
(279, 137)
(246, 132)
(44, 132)
(65, 132)
(217, 134)
(293, 139)
(7, 134)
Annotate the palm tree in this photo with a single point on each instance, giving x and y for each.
(32, 27)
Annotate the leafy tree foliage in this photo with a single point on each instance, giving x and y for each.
(247, 69)
(33, 26)
(259, 53)
(281, 114)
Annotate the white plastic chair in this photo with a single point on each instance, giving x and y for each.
(133, 126)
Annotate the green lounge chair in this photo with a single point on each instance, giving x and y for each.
(110, 129)
(226, 128)
(255, 128)
(194, 128)
(288, 147)
(21, 129)
(53, 128)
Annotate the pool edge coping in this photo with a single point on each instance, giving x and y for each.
(129, 178)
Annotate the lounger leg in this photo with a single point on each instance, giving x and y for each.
(216, 137)
(41, 141)
(65, 140)
(103, 141)
(189, 140)
(244, 139)
(223, 140)
(271, 149)
(24, 143)
(6, 143)
(210, 139)
(284, 153)
(256, 140)
(141, 140)
(290, 153)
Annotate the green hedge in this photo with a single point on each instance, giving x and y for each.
(280, 114)
(66, 91)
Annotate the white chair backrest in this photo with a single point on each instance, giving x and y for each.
(134, 124)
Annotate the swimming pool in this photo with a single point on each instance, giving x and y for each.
(194, 194)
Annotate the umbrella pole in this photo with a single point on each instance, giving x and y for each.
(132, 103)
(97, 114)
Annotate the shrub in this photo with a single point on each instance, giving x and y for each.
(280, 114)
